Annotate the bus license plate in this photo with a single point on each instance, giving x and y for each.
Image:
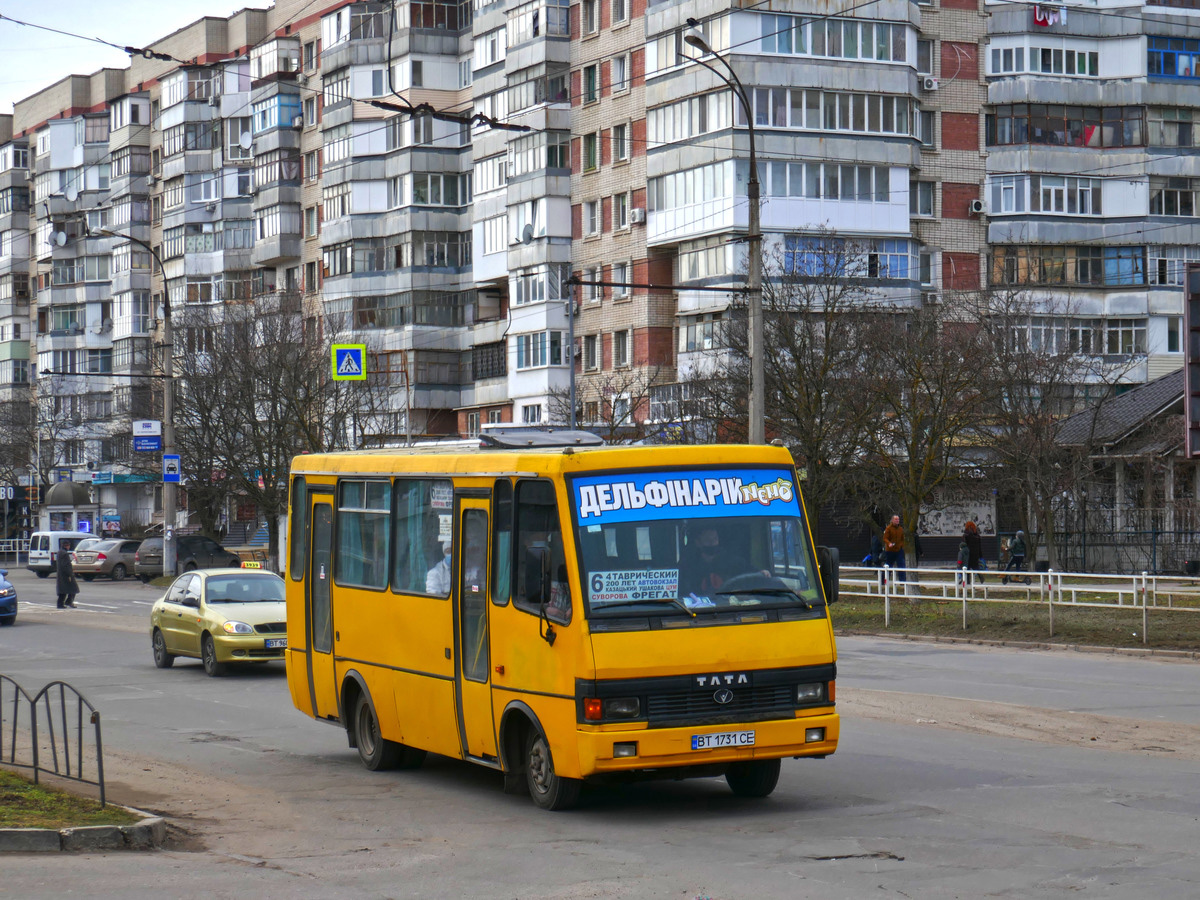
(276, 643)
(723, 739)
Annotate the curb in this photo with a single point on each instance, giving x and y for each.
(145, 835)
(1023, 645)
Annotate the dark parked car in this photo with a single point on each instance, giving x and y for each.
(192, 551)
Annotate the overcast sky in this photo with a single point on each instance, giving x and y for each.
(31, 59)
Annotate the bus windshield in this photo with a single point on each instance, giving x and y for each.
(688, 542)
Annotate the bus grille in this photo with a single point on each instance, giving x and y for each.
(271, 628)
(779, 698)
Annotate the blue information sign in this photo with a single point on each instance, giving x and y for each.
(147, 443)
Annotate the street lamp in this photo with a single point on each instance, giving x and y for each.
(170, 500)
(757, 429)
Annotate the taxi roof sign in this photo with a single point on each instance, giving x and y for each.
(349, 362)
(251, 564)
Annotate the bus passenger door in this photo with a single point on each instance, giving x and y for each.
(318, 608)
(473, 672)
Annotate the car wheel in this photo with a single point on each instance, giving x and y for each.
(144, 579)
(190, 567)
(548, 789)
(118, 572)
(753, 779)
(208, 654)
(162, 659)
(87, 577)
(9, 620)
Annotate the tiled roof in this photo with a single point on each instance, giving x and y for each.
(1121, 416)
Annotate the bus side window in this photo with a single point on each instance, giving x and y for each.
(298, 529)
(539, 534)
(423, 509)
(502, 549)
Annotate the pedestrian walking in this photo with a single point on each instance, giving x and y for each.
(974, 544)
(64, 576)
(893, 546)
(1016, 557)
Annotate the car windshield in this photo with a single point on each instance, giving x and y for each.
(88, 544)
(248, 588)
(693, 542)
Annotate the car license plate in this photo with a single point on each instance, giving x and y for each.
(723, 739)
(276, 643)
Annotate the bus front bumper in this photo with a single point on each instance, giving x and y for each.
(608, 750)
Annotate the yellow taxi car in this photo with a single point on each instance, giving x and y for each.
(220, 616)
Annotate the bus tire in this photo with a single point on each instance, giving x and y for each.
(753, 779)
(547, 788)
(375, 751)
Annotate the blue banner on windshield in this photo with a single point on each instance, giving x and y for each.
(708, 494)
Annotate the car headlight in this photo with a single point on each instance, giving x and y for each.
(238, 628)
(7, 592)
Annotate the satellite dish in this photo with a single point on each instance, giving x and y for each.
(245, 140)
(60, 238)
(527, 235)
(71, 193)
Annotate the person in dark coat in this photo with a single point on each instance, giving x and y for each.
(974, 549)
(64, 576)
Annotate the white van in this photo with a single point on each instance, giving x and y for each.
(44, 548)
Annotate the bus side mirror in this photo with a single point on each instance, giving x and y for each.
(829, 560)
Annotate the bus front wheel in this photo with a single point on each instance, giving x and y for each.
(548, 789)
(375, 751)
(753, 779)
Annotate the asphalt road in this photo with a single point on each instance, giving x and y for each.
(265, 801)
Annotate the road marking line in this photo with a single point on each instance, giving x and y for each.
(97, 606)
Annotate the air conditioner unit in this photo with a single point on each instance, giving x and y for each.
(298, 121)
(214, 101)
(211, 206)
(976, 207)
(637, 216)
(301, 78)
(150, 179)
(929, 297)
(929, 83)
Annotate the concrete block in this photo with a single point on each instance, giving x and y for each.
(29, 840)
(95, 837)
(146, 834)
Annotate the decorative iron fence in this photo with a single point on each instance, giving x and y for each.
(56, 738)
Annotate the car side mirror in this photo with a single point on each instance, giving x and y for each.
(192, 600)
(829, 561)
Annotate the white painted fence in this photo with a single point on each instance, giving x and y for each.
(1073, 589)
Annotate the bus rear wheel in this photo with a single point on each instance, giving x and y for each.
(375, 751)
(753, 779)
(548, 789)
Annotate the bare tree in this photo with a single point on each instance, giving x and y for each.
(613, 404)
(1040, 360)
(929, 409)
(261, 392)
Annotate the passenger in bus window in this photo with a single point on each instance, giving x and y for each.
(437, 579)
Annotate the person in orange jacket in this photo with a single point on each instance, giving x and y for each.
(893, 546)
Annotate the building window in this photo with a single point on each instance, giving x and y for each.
(591, 217)
(1172, 57)
(620, 210)
(591, 83)
(620, 142)
(531, 414)
(1125, 336)
(620, 73)
(620, 349)
(621, 277)
(310, 111)
(591, 358)
(921, 198)
(924, 57)
(488, 361)
(543, 348)
(591, 155)
(620, 11)
(1171, 196)
(1069, 126)
(590, 18)
(926, 126)
(310, 221)
(592, 292)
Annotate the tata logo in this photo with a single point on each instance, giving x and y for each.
(722, 680)
(723, 696)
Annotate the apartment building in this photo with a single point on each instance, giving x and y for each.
(954, 145)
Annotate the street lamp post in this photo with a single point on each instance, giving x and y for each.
(757, 412)
(170, 498)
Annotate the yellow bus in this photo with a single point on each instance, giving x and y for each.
(563, 612)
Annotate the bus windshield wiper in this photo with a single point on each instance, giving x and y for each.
(673, 600)
(768, 592)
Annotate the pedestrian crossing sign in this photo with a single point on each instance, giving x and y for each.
(349, 362)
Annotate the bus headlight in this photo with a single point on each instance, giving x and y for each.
(622, 708)
(810, 693)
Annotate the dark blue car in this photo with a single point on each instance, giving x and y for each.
(8, 600)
